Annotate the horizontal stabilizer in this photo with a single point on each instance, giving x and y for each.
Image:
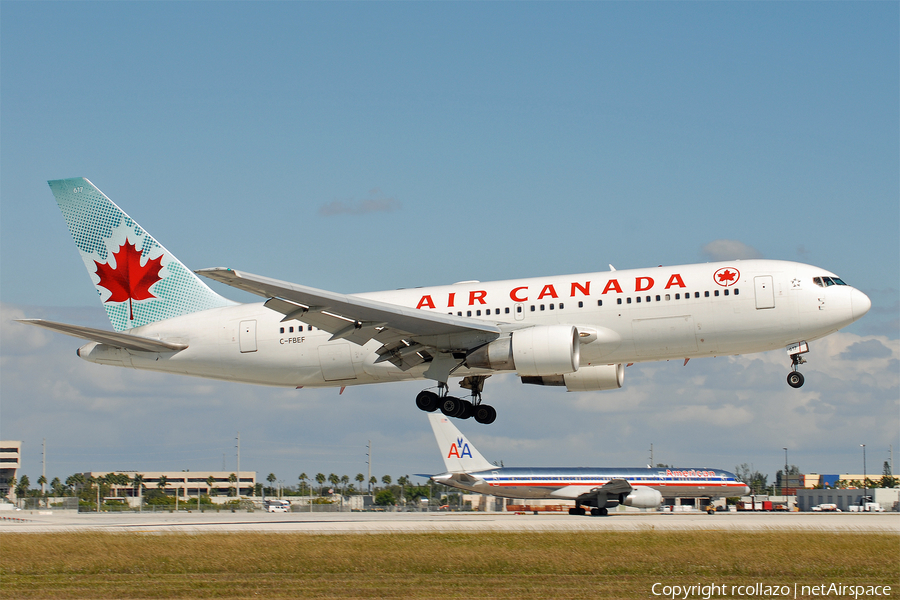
(110, 338)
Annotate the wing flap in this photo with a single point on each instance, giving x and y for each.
(110, 338)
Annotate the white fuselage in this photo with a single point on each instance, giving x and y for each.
(572, 482)
(639, 315)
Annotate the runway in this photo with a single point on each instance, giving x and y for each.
(410, 522)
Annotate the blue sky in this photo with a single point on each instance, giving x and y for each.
(358, 147)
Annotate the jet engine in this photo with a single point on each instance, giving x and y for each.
(586, 379)
(532, 352)
(642, 497)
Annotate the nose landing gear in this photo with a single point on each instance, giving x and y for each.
(795, 351)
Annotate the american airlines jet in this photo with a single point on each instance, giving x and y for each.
(599, 488)
(576, 331)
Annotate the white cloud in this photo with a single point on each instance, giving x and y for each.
(729, 250)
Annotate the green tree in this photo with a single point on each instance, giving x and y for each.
(887, 478)
(344, 481)
(385, 498)
(386, 480)
(23, 486)
(210, 482)
(232, 479)
(303, 479)
(57, 487)
(271, 479)
(42, 481)
(334, 480)
(320, 479)
(360, 478)
(372, 482)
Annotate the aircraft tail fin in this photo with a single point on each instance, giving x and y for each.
(460, 456)
(138, 280)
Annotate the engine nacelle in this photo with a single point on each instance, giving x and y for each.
(532, 352)
(642, 497)
(595, 377)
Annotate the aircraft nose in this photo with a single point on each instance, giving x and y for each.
(859, 304)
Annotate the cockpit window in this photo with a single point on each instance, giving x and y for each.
(828, 281)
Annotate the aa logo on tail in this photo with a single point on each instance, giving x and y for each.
(460, 449)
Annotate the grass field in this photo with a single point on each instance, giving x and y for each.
(448, 565)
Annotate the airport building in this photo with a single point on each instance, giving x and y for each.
(10, 462)
(184, 484)
(887, 498)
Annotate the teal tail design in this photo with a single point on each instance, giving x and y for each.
(139, 281)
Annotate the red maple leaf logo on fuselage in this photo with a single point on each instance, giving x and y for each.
(129, 280)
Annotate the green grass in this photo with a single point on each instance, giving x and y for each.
(451, 565)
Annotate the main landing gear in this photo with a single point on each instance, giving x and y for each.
(796, 351)
(580, 511)
(456, 407)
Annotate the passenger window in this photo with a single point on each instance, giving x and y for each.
(478, 313)
(638, 300)
(716, 293)
(696, 294)
(580, 304)
(281, 330)
(706, 294)
(736, 291)
(532, 308)
(468, 313)
(506, 310)
(678, 296)
(618, 301)
(726, 291)
(290, 330)
(657, 297)
(600, 302)
(459, 313)
(628, 301)
(668, 297)
(560, 306)
(648, 298)
(518, 309)
(552, 306)
(542, 307)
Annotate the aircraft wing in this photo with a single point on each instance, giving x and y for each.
(614, 487)
(404, 332)
(110, 338)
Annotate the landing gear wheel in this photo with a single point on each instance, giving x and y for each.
(467, 410)
(795, 379)
(427, 401)
(452, 407)
(595, 512)
(578, 511)
(485, 414)
(603, 512)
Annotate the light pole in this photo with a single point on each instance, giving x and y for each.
(865, 488)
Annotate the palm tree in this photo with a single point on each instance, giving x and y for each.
(56, 486)
(386, 480)
(42, 481)
(372, 482)
(334, 480)
(162, 484)
(320, 479)
(232, 479)
(271, 479)
(360, 478)
(138, 483)
(303, 477)
(210, 481)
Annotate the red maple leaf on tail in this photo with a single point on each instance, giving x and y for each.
(129, 280)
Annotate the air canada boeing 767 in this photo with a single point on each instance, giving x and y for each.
(576, 331)
(598, 488)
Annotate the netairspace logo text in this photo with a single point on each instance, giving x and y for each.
(837, 590)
